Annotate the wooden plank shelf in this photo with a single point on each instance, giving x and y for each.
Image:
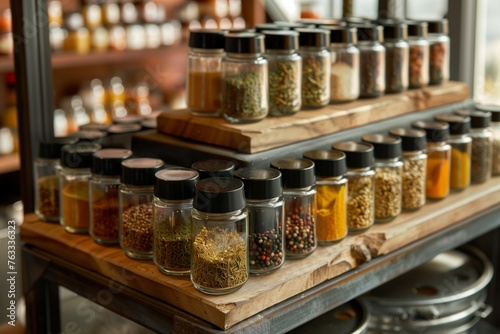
(263, 292)
(280, 131)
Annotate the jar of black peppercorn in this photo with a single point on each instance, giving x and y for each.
(285, 72)
(244, 78)
(219, 260)
(397, 55)
(47, 167)
(439, 52)
(360, 184)
(372, 60)
(495, 131)
(103, 194)
(299, 192)
(172, 205)
(419, 54)
(461, 144)
(136, 206)
(414, 166)
(482, 144)
(266, 218)
(388, 176)
(214, 168)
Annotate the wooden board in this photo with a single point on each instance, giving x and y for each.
(259, 293)
(279, 131)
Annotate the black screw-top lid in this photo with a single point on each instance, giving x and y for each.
(293, 25)
(78, 155)
(206, 39)
(370, 32)
(395, 30)
(175, 183)
(88, 135)
(260, 183)
(124, 128)
(478, 119)
(322, 22)
(140, 171)
(296, 173)
(246, 42)
(384, 146)
(417, 28)
(108, 161)
(412, 139)
(214, 168)
(313, 37)
(327, 163)
(94, 127)
(493, 109)
(435, 132)
(52, 149)
(438, 27)
(219, 195)
(348, 35)
(281, 40)
(269, 26)
(459, 125)
(358, 155)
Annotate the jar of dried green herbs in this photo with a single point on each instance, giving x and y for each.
(219, 260)
(316, 67)
(419, 54)
(285, 72)
(136, 206)
(372, 60)
(397, 55)
(244, 78)
(495, 131)
(172, 205)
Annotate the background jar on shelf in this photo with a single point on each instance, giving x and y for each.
(495, 131)
(439, 52)
(397, 55)
(419, 54)
(372, 60)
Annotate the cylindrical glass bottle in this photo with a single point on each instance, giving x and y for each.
(172, 205)
(103, 195)
(331, 196)
(438, 151)
(419, 54)
(285, 72)
(495, 131)
(214, 168)
(388, 176)
(219, 261)
(136, 206)
(74, 178)
(360, 184)
(344, 81)
(204, 72)
(397, 55)
(266, 218)
(414, 166)
(372, 60)
(316, 67)
(439, 48)
(461, 144)
(299, 192)
(482, 144)
(244, 78)
(47, 167)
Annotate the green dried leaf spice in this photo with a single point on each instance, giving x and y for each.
(242, 96)
(283, 89)
(313, 82)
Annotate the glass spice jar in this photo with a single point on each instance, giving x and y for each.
(47, 167)
(219, 234)
(495, 131)
(482, 144)
(266, 218)
(388, 176)
(103, 194)
(360, 185)
(110, 12)
(419, 54)
(172, 205)
(372, 60)
(344, 80)
(204, 72)
(397, 55)
(214, 168)
(461, 144)
(331, 197)
(299, 193)
(414, 166)
(284, 72)
(78, 39)
(74, 176)
(439, 52)
(136, 206)
(92, 15)
(316, 66)
(244, 78)
(438, 151)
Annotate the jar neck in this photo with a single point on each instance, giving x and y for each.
(244, 55)
(208, 51)
(281, 52)
(412, 153)
(219, 214)
(274, 200)
(181, 202)
(340, 45)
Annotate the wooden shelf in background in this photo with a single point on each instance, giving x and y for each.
(9, 163)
